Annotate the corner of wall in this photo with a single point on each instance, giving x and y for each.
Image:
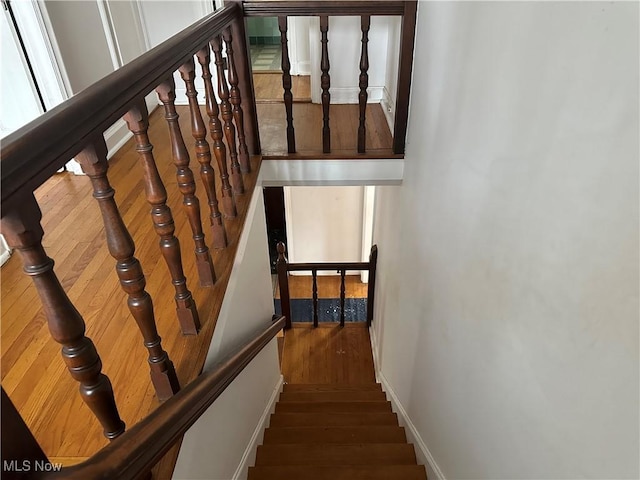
(249, 455)
(423, 454)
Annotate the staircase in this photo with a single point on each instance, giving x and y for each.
(335, 432)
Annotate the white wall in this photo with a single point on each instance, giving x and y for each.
(507, 302)
(324, 224)
(222, 443)
(344, 46)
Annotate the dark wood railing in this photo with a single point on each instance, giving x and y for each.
(324, 9)
(284, 267)
(74, 129)
(132, 454)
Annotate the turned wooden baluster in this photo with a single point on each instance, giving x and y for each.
(286, 84)
(215, 129)
(203, 155)
(325, 84)
(236, 103)
(314, 274)
(365, 23)
(227, 117)
(186, 182)
(137, 119)
(93, 160)
(342, 296)
(283, 282)
(22, 229)
(371, 288)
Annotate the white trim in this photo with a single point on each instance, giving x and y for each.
(110, 33)
(6, 251)
(332, 172)
(368, 200)
(54, 52)
(116, 136)
(423, 454)
(302, 68)
(288, 220)
(349, 95)
(249, 454)
(142, 25)
(388, 107)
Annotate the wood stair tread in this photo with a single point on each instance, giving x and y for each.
(339, 396)
(343, 472)
(332, 419)
(303, 407)
(336, 454)
(349, 434)
(331, 387)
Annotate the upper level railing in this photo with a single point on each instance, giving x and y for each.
(74, 129)
(284, 267)
(324, 9)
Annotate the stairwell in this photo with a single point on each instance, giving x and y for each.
(333, 431)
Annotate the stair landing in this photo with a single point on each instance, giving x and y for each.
(329, 354)
(332, 420)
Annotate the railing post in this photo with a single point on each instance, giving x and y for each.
(286, 84)
(215, 130)
(121, 247)
(203, 154)
(18, 443)
(343, 272)
(227, 116)
(325, 84)
(21, 226)
(371, 289)
(186, 183)
(314, 275)
(235, 97)
(407, 38)
(245, 81)
(137, 119)
(365, 23)
(283, 282)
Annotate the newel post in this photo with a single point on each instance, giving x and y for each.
(371, 291)
(283, 281)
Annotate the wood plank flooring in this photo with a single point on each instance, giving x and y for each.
(33, 374)
(328, 354)
(307, 119)
(268, 88)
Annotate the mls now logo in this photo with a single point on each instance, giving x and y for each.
(28, 466)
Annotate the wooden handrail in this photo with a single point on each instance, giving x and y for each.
(138, 449)
(326, 7)
(284, 267)
(63, 132)
(297, 267)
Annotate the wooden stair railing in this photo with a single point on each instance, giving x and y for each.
(284, 267)
(32, 154)
(324, 9)
(132, 455)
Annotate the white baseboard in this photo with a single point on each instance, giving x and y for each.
(342, 95)
(249, 454)
(423, 454)
(388, 107)
(116, 136)
(6, 251)
(301, 68)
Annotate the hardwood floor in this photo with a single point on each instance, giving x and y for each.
(33, 373)
(328, 354)
(268, 88)
(307, 119)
